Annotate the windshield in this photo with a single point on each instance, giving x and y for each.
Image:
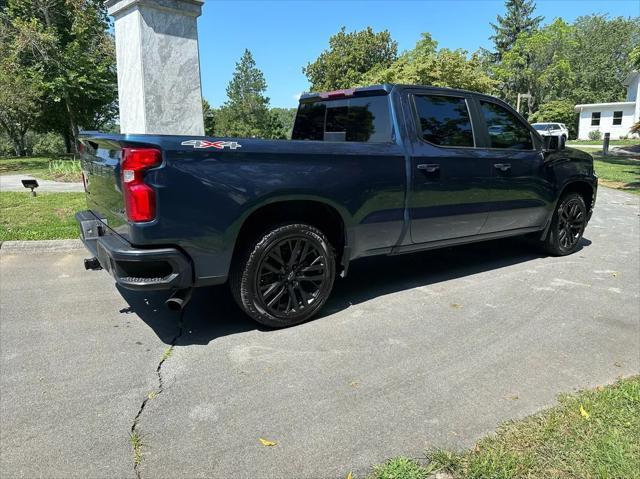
(364, 119)
(541, 126)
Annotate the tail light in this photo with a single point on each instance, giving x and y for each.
(139, 198)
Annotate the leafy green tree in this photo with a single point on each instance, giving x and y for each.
(349, 57)
(518, 19)
(19, 105)
(68, 44)
(602, 56)
(561, 111)
(426, 65)
(209, 114)
(246, 112)
(539, 64)
(634, 58)
(286, 117)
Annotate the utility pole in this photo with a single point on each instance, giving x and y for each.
(521, 95)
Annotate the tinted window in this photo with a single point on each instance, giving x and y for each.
(355, 119)
(617, 118)
(505, 129)
(444, 120)
(595, 118)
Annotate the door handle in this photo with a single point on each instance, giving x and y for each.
(429, 167)
(502, 166)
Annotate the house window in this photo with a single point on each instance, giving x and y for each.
(617, 118)
(595, 118)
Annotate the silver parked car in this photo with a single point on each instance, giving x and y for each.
(552, 129)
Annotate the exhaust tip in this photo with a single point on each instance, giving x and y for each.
(174, 304)
(179, 299)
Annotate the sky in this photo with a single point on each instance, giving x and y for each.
(285, 36)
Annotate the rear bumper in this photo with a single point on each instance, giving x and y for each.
(131, 267)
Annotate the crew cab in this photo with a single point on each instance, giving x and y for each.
(379, 170)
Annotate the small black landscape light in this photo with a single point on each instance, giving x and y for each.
(32, 184)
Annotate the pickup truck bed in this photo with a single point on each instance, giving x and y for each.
(379, 170)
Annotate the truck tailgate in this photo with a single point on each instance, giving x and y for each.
(101, 170)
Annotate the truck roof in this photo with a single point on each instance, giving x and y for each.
(382, 89)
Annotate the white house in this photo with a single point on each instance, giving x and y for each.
(614, 118)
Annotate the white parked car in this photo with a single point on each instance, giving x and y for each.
(552, 129)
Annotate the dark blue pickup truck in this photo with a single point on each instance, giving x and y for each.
(386, 169)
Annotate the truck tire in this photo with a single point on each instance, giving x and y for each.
(567, 225)
(285, 275)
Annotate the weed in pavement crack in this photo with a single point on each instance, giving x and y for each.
(135, 437)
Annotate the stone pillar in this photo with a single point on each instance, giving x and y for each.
(158, 66)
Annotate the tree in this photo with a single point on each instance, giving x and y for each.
(349, 57)
(518, 19)
(286, 118)
(66, 42)
(209, 114)
(634, 58)
(539, 64)
(19, 105)
(602, 55)
(426, 65)
(246, 112)
(560, 111)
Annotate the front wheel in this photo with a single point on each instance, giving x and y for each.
(285, 275)
(567, 226)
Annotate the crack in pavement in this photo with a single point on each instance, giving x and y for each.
(134, 434)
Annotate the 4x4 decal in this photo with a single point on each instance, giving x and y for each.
(212, 144)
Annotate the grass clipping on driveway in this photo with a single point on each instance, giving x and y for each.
(46, 216)
(590, 434)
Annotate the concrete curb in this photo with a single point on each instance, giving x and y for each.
(40, 246)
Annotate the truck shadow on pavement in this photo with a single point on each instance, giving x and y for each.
(212, 313)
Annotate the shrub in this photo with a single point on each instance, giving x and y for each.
(557, 111)
(595, 135)
(46, 144)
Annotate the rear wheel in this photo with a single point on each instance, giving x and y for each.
(567, 226)
(284, 276)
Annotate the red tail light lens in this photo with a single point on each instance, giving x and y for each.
(139, 198)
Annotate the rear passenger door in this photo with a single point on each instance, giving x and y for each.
(450, 177)
(520, 192)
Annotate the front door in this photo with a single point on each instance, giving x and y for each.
(450, 176)
(520, 192)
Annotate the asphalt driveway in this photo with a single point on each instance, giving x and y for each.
(426, 350)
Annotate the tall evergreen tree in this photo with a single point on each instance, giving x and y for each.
(246, 112)
(518, 19)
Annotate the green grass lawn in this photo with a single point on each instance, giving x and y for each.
(618, 172)
(42, 167)
(46, 216)
(592, 434)
(634, 141)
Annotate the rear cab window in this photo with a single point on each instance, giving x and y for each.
(444, 120)
(360, 119)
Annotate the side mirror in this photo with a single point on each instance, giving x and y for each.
(553, 143)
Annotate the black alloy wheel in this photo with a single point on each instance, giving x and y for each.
(571, 223)
(568, 225)
(286, 276)
(291, 275)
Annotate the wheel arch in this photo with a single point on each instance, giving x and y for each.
(583, 188)
(577, 185)
(323, 215)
